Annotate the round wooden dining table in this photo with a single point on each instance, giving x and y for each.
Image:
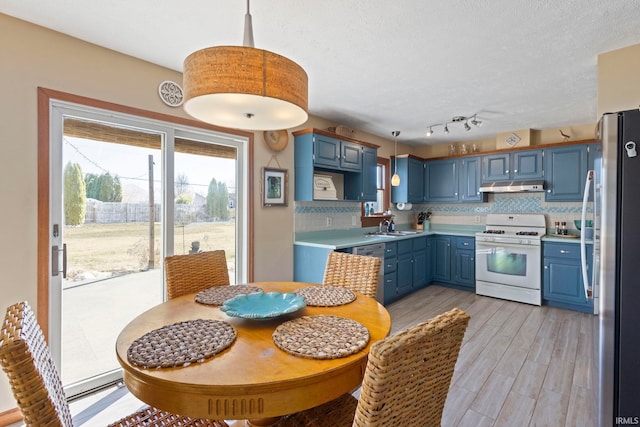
(252, 379)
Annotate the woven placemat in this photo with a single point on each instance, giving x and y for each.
(321, 337)
(326, 295)
(217, 295)
(181, 344)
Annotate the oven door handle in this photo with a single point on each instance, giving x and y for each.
(494, 245)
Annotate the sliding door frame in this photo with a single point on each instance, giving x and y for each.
(44, 104)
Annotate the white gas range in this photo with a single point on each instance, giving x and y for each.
(508, 257)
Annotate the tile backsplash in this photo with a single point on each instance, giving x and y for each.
(330, 215)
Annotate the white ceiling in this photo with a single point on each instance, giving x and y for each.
(380, 65)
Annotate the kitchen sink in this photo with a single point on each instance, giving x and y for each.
(393, 233)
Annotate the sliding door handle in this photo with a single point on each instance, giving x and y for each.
(55, 260)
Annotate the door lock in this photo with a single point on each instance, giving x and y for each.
(55, 260)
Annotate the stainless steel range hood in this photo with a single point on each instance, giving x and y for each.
(512, 186)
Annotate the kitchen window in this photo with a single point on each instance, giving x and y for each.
(382, 203)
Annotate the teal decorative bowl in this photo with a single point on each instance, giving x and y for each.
(260, 305)
(578, 223)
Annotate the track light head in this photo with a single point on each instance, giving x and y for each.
(467, 127)
(430, 132)
(446, 129)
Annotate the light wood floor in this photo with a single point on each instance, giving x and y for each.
(519, 365)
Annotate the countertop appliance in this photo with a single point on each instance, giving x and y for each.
(376, 250)
(508, 257)
(617, 335)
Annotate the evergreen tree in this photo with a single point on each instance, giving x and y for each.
(74, 195)
(218, 200)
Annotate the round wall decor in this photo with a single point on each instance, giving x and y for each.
(276, 140)
(171, 93)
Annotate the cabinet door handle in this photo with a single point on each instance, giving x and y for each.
(466, 243)
(471, 259)
(507, 171)
(564, 251)
(546, 267)
(515, 171)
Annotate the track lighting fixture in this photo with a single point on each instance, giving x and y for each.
(456, 119)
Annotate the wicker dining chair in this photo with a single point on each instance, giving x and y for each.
(356, 272)
(187, 274)
(405, 383)
(36, 385)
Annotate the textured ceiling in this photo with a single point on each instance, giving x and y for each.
(379, 65)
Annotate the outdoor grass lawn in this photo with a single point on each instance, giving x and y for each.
(123, 247)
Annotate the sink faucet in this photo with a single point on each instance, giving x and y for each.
(383, 226)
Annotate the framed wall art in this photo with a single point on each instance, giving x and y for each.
(275, 183)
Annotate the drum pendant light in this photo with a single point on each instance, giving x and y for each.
(395, 179)
(242, 87)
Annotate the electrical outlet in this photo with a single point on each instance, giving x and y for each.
(477, 219)
(329, 222)
(354, 220)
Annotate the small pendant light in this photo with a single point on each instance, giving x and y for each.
(395, 179)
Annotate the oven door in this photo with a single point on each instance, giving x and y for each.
(508, 264)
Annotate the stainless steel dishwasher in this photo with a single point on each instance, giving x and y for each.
(376, 250)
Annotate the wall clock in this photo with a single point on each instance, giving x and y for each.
(276, 140)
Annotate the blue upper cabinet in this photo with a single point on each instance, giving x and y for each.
(337, 154)
(470, 175)
(410, 170)
(526, 164)
(441, 181)
(353, 163)
(326, 151)
(351, 156)
(516, 165)
(565, 173)
(369, 166)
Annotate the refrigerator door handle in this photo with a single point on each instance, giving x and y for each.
(583, 243)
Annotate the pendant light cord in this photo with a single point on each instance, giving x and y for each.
(248, 29)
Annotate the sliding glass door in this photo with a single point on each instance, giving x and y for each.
(124, 193)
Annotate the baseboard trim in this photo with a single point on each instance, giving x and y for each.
(9, 417)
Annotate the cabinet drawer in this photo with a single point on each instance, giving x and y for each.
(465, 242)
(390, 264)
(390, 249)
(560, 250)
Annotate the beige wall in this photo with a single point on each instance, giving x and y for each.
(619, 80)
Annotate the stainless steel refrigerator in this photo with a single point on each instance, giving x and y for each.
(617, 239)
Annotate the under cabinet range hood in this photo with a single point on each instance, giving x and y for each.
(512, 186)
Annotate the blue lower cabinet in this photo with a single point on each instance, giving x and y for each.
(453, 261)
(309, 263)
(562, 277)
(464, 265)
(441, 262)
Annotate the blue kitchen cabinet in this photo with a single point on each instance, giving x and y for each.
(453, 261)
(517, 165)
(337, 154)
(565, 173)
(441, 262)
(464, 266)
(469, 179)
(390, 277)
(309, 263)
(411, 173)
(316, 153)
(562, 276)
(419, 262)
(369, 167)
(405, 267)
(428, 263)
(441, 181)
